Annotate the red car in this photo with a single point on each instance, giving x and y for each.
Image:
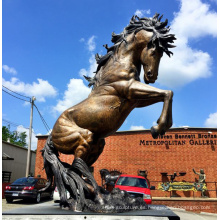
(136, 186)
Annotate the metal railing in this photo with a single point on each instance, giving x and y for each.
(211, 187)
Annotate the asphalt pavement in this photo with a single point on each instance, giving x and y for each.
(185, 215)
(49, 210)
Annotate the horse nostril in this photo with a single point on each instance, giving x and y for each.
(149, 74)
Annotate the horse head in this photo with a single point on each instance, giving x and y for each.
(150, 59)
(150, 38)
(151, 35)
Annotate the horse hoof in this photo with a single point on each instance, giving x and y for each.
(154, 133)
(162, 132)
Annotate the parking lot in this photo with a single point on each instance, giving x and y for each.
(17, 204)
(49, 210)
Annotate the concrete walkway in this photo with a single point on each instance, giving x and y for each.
(14, 207)
(185, 215)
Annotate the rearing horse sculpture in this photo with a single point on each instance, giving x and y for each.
(117, 90)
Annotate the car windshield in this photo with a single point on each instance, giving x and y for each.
(25, 180)
(132, 181)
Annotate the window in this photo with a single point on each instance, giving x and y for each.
(132, 181)
(25, 180)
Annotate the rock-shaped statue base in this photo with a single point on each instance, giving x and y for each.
(85, 193)
(117, 201)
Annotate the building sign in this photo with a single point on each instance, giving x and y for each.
(182, 139)
(182, 186)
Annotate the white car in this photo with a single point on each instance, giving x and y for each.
(56, 195)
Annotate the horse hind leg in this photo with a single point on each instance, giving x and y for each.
(67, 138)
(95, 152)
(81, 165)
(77, 141)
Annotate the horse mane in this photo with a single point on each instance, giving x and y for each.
(160, 38)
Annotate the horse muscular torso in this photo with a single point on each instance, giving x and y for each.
(81, 129)
(102, 113)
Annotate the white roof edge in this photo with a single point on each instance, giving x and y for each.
(184, 127)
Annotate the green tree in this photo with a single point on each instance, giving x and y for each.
(18, 138)
(5, 133)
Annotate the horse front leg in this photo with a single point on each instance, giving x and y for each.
(165, 120)
(148, 95)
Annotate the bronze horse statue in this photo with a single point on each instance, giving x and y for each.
(117, 90)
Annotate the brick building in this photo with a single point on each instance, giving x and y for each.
(179, 150)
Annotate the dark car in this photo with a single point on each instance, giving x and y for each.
(27, 188)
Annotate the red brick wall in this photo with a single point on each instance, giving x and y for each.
(129, 151)
(3, 189)
(39, 159)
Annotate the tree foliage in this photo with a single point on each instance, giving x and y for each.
(18, 138)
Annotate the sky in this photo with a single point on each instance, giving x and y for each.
(47, 47)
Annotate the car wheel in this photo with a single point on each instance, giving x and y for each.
(9, 200)
(38, 198)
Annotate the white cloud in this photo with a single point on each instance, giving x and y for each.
(184, 126)
(41, 89)
(76, 90)
(82, 40)
(142, 13)
(154, 123)
(8, 69)
(184, 67)
(75, 93)
(193, 21)
(211, 121)
(92, 67)
(21, 129)
(92, 62)
(91, 44)
(133, 127)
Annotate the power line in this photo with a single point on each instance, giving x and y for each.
(43, 120)
(16, 92)
(13, 123)
(15, 96)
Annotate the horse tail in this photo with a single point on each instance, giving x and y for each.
(52, 165)
(46, 151)
(64, 178)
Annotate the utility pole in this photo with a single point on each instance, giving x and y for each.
(30, 135)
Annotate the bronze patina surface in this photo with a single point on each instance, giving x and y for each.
(117, 90)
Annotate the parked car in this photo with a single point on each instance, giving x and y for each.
(56, 195)
(27, 188)
(136, 186)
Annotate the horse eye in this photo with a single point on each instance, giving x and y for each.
(153, 53)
